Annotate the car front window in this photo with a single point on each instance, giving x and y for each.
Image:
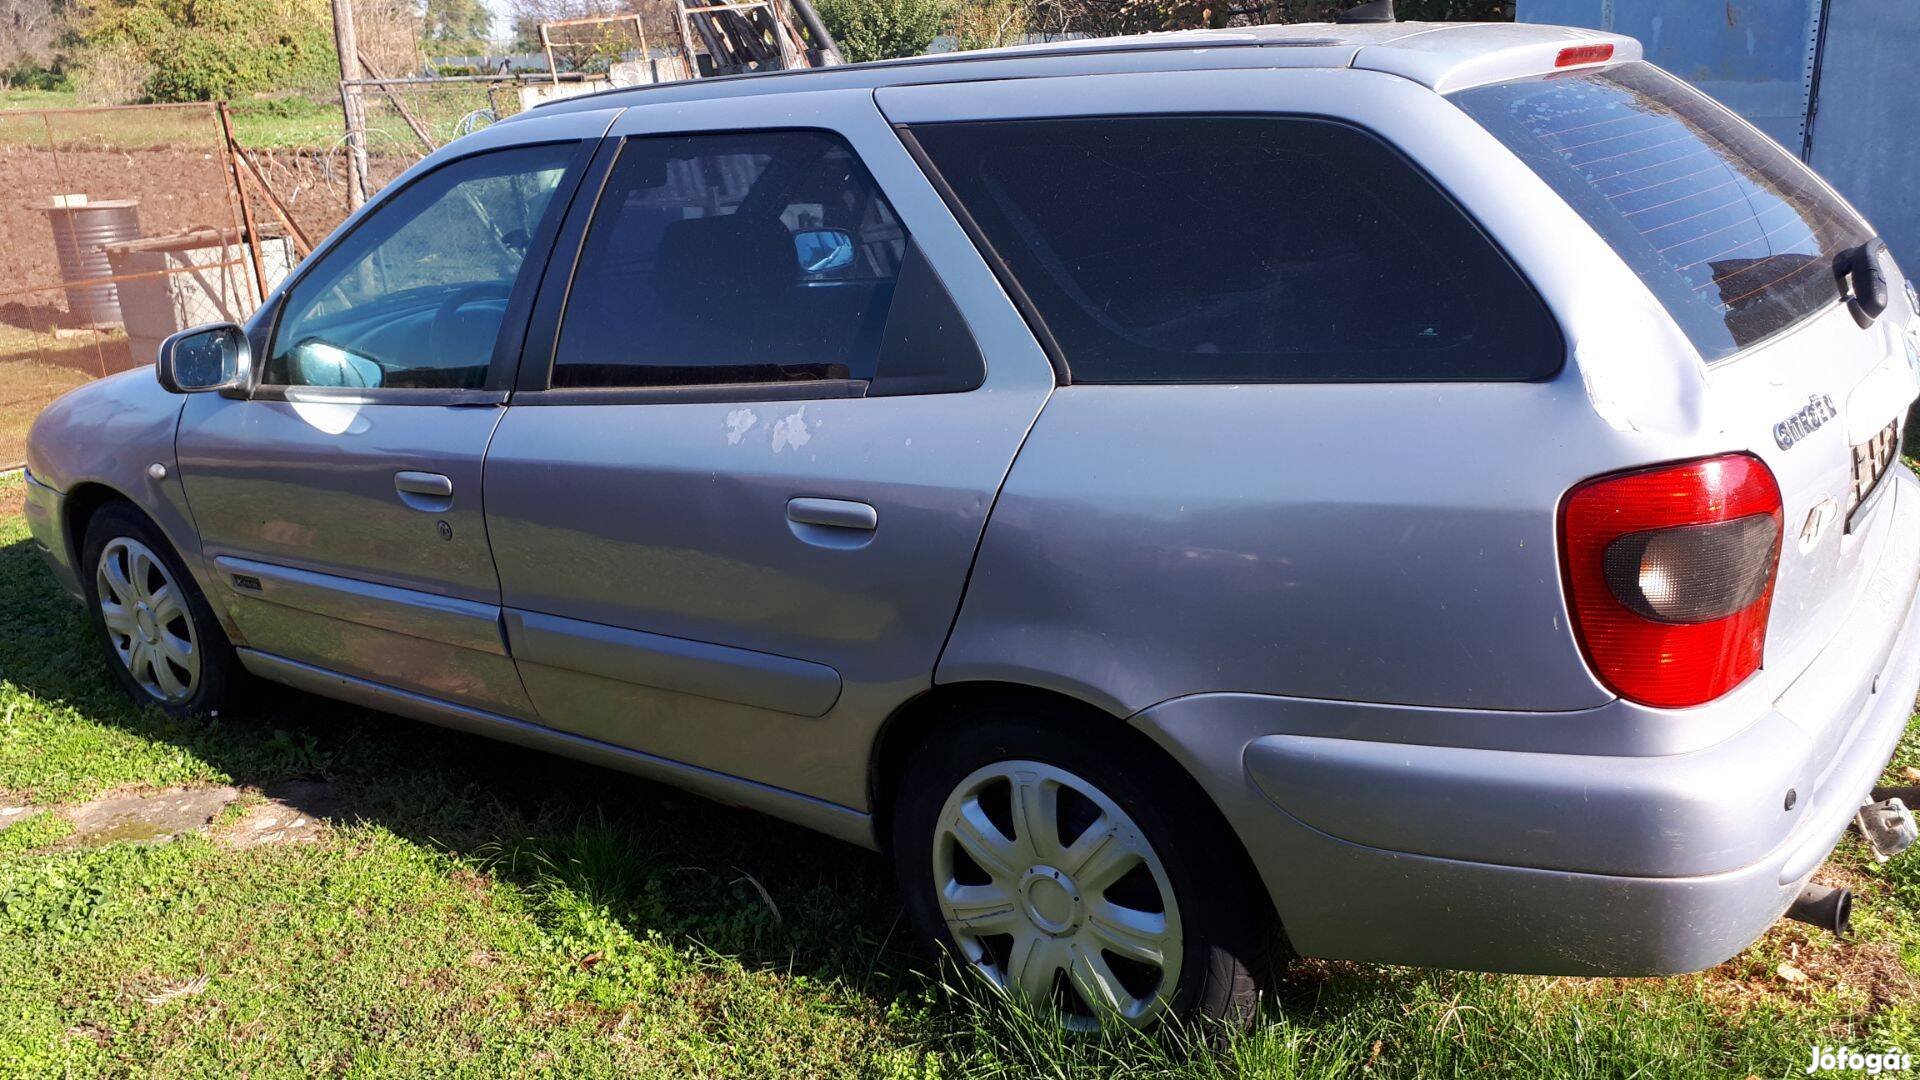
(414, 297)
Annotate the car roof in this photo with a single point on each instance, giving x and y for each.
(1441, 56)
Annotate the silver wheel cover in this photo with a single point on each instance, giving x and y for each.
(1030, 908)
(147, 621)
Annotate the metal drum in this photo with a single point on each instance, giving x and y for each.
(80, 235)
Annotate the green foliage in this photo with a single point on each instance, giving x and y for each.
(456, 25)
(199, 50)
(43, 80)
(33, 832)
(992, 24)
(881, 29)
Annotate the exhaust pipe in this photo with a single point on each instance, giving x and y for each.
(1823, 906)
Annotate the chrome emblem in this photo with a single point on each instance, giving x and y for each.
(1818, 411)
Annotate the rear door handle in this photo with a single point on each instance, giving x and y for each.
(424, 490)
(833, 514)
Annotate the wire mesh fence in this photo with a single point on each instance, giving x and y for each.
(123, 224)
(406, 119)
(117, 221)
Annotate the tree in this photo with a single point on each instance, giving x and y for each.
(456, 26)
(1104, 18)
(527, 15)
(31, 32)
(991, 24)
(198, 50)
(880, 29)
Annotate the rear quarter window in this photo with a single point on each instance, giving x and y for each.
(1240, 249)
(1734, 235)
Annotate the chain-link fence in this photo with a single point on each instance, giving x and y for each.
(403, 120)
(121, 224)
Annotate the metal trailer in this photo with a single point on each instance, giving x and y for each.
(1831, 80)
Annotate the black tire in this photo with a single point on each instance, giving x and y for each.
(220, 676)
(1226, 920)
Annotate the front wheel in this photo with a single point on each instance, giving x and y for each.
(160, 636)
(1070, 868)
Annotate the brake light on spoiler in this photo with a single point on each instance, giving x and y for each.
(1669, 576)
(1576, 55)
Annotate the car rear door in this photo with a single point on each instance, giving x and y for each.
(737, 495)
(338, 499)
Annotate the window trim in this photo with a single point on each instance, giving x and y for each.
(513, 323)
(534, 384)
(1044, 335)
(1062, 375)
(807, 390)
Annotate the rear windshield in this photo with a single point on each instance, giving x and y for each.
(1735, 236)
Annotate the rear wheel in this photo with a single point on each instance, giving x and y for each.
(1069, 868)
(160, 636)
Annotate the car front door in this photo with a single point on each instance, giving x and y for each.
(338, 498)
(736, 499)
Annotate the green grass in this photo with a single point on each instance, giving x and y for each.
(23, 98)
(482, 911)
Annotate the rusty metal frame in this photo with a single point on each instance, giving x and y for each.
(237, 192)
(546, 39)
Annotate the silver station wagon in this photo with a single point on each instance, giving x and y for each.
(1410, 493)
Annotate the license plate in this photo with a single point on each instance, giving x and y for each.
(1872, 460)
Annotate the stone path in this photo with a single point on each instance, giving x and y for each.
(288, 813)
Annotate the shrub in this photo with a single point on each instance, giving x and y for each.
(880, 29)
(45, 80)
(991, 24)
(198, 50)
(111, 73)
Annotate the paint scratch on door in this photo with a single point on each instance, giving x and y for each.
(739, 422)
(791, 431)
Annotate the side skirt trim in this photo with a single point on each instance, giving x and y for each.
(833, 819)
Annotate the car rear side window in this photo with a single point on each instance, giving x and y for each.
(1241, 249)
(1735, 236)
(750, 257)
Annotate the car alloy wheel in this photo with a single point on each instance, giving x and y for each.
(1053, 893)
(147, 621)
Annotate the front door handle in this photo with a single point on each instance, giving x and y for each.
(833, 513)
(426, 491)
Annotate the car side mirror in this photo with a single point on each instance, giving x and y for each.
(820, 250)
(215, 356)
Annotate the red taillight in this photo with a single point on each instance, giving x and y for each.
(1670, 576)
(1583, 54)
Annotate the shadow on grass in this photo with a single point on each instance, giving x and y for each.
(774, 897)
(704, 876)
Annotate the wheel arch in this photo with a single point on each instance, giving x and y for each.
(82, 502)
(926, 715)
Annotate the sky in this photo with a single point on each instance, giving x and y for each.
(502, 24)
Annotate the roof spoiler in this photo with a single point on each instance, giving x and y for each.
(1465, 54)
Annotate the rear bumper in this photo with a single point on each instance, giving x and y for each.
(45, 510)
(1560, 863)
